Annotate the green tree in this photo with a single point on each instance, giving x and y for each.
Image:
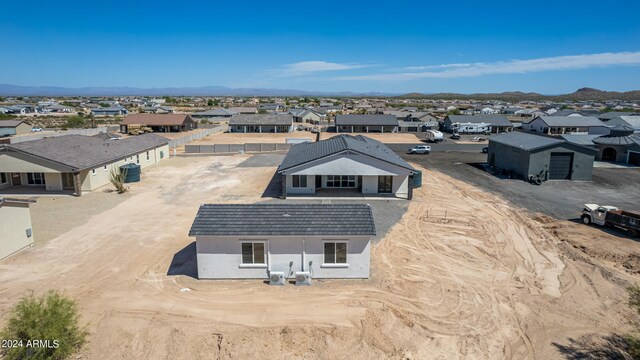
(210, 102)
(52, 317)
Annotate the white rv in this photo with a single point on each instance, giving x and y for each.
(433, 136)
(470, 128)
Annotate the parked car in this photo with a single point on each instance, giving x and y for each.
(485, 149)
(420, 149)
(455, 136)
(300, 128)
(315, 130)
(36, 129)
(479, 139)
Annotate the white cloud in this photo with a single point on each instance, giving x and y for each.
(309, 67)
(572, 62)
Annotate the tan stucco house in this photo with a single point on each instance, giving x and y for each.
(15, 226)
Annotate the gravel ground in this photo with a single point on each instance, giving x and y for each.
(560, 199)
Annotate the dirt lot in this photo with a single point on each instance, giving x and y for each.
(390, 138)
(245, 138)
(466, 275)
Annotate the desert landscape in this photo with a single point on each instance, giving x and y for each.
(467, 275)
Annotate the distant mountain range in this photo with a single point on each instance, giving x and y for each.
(16, 90)
(583, 94)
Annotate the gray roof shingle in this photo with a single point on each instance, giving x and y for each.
(261, 119)
(10, 123)
(305, 152)
(86, 152)
(364, 120)
(573, 121)
(525, 141)
(283, 220)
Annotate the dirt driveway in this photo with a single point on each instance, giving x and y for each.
(462, 276)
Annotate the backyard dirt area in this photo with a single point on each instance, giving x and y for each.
(387, 138)
(461, 276)
(247, 138)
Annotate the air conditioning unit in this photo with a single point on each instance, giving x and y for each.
(276, 278)
(303, 278)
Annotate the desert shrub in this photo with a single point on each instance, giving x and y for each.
(117, 178)
(53, 317)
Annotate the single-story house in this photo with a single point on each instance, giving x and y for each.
(261, 123)
(13, 127)
(566, 112)
(15, 225)
(549, 158)
(270, 107)
(75, 163)
(614, 114)
(214, 114)
(110, 111)
(243, 110)
(366, 123)
(158, 110)
(477, 124)
(631, 121)
(21, 109)
(417, 127)
(623, 149)
(307, 116)
(345, 164)
(160, 122)
(559, 125)
(242, 241)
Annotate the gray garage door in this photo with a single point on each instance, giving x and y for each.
(634, 158)
(560, 166)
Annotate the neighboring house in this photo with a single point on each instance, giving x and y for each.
(345, 164)
(15, 225)
(13, 127)
(160, 122)
(366, 123)
(4, 110)
(214, 114)
(549, 158)
(21, 109)
(243, 110)
(307, 116)
(261, 123)
(630, 121)
(269, 107)
(477, 124)
(621, 146)
(158, 110)
(75, 163)
(560, 125)
(56, 108)
(563, 113)
(242, 241)
(614, 114)
(110, 111)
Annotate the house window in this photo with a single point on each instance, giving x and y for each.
(104, 168)
(335, 252)
(299, 181)
(35, 178)
(3, 178)
(138, 159)
(93, 172)
(253, 253)
(148, 156)
(341, 181)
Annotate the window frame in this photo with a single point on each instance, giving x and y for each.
(138, 159)
(299, 181)
(4, 178)
(105, 168)
(253, 264)
(335, 264)
(93, 172)
(31, 179)
(342, 181)
(148, 156)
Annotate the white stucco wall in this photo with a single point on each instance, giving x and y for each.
(53, 181)
(309, 189)
(14, 222)
(221, 257)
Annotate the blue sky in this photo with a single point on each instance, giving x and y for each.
(544, 46)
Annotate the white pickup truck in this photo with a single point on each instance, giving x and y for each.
(612, 216)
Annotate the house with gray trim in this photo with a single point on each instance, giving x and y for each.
(14, 127)
(344, 165)
(113, 110)
(549, 158)
(74, 163)
(261, 123)
(352, 123)
(560, 125)
(254, 241)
